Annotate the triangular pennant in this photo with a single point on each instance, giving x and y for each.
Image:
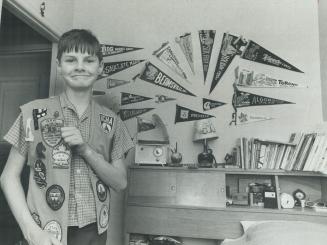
(185, 43)
(244, 118)
(207, 39)
(210, 104)
(250, 79)
(153, 75)
(184, 114)
(160, 98)
(127, 98)
(114, 67)
(230, 47)
(111, 83)
(245, 99)
(257, 53)
(109, 50)
(130, 113)
(165, 55)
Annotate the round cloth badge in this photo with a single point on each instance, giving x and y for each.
(55, 197)
(40, 175)
(54, 228)
(101, 191)
(104, 216)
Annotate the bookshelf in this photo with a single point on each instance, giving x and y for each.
(183, 202)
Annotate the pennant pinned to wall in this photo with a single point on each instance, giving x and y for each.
(207, 39)
(257, 53)
(114, 67)
(165, 55)
(210, 104)
(109, 50)
(250, 79)
(127, 98)
(160, 98)
(184, 114)
(185, 43)
(112, 83)
(244, 118)
(126, 114)
(153, 75)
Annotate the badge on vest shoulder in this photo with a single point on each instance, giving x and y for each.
(106, 123)
(101, 191)
(55, 197)
(104, 216)
(61, 155)
(50, 129)
(54, 228)
(40, 174)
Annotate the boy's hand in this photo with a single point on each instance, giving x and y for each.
(72, 136)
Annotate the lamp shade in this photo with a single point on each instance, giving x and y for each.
(204, 129)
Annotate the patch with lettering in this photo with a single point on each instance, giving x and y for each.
(50, 129)
(40, 175)
(106, 123)
(55, 197)
(101, 190)
(61, 155)
(36, 218)
(54, 228)
(104, 216)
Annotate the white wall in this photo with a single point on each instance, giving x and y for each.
(323, 53)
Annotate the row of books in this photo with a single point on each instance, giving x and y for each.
(303, 152)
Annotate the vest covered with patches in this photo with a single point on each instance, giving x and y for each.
(49, 160)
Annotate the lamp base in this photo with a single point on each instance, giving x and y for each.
(205, 160)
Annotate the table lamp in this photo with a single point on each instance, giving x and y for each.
(203, 132)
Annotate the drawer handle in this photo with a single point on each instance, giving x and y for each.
(172, 187)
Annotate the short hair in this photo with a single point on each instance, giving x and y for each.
(79, 40)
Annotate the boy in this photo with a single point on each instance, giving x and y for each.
(74, 148)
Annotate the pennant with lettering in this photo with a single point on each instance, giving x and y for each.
(127, 98)
(210, 104)
(130, 113)
(185, 43)
(230, 47)
(250, 79)
(165, 55)
(160, 98)
(257, 53)
(153, 75)
(207, 39)
(244, 118)
(245, 99)
(109, 50)
(114, 67)
(111, 83)
(184, 114)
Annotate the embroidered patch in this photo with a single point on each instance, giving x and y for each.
(101, 191)
(104, 216)
(40, 149)
(40, 175)
(28, 130)
(54, 228)
(106, 123)
(50, 129)
(61, 156)
(56, 114)
(36, 218)
(37, 114)
(55, 197)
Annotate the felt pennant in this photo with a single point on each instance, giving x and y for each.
(248, 78)
(153, 75)
(130, 113)
(160, 98)
(184, 114)
(127, 98)
(112, 83)
(244, 118)
(207, 39)
(210, 104)
(166, 55)
(114, 67)
(185, 43)
(109, 50)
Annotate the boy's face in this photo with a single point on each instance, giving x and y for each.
(79, 70)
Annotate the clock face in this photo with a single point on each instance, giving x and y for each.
(287, 201)
(158, 151)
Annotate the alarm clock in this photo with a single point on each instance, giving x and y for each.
(287, 200)
(151, 154)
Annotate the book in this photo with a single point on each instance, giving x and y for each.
(318, 154)
(313, 152)
(287, 156)
(280, 155)
(292, 161)
(306, 150)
